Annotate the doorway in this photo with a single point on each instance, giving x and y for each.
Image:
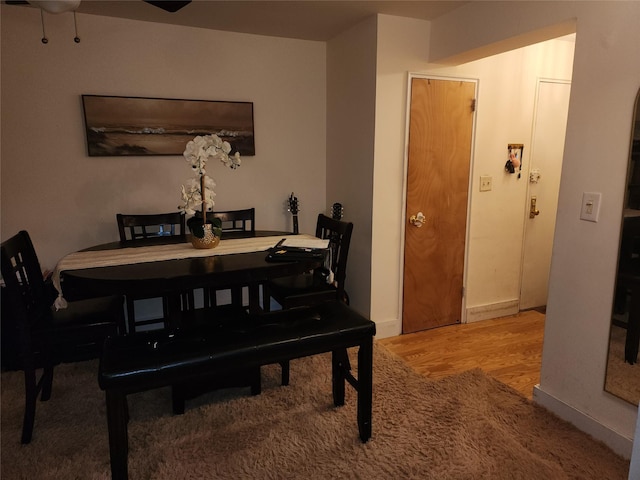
(441, 121)
(547, 149)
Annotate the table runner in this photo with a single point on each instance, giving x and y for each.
(157, 253)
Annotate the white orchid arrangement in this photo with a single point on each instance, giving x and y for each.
(198, 152)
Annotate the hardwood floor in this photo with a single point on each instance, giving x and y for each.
(507, 348)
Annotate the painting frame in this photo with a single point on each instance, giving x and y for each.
(149, 126)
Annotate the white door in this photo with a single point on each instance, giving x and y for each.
(546, 161)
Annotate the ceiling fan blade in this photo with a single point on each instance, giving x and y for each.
(169, 5)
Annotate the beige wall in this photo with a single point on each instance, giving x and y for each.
(67, 200)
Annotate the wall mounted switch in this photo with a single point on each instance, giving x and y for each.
(485, 183)
(590, 206)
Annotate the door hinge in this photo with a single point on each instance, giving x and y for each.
(473, 105)
(462, 292)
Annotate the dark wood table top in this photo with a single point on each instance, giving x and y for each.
(169, 276)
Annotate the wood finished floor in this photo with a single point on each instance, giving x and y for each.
(508, 348)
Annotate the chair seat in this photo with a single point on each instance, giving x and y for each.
(299, 290)
(77, 332)
(93, 310)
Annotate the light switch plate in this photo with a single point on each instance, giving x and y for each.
(590, 209)
(485, 183)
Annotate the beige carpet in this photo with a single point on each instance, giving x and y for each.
(464, 427)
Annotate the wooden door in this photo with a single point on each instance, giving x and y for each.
(547, 150)
(439, 155)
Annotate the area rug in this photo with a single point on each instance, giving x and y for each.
(468, 426)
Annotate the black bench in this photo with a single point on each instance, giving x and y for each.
(149, 360)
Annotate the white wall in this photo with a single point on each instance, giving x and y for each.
(506, 99)
(68, 201)
(401, 47)
(351, 91)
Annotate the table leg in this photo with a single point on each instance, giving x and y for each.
(254, 298)
(174, 307)
(118, 435)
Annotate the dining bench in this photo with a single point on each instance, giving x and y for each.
(192, 354)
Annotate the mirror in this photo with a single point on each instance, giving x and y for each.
(622, 378)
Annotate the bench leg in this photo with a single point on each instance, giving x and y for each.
(285, 367)
(365, 388)
(178, 400)
(118, 436)
(256, 381)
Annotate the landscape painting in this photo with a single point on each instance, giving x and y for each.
(119, 126)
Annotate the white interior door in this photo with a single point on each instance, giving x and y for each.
(547, 150)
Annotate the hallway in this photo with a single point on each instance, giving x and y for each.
(507, 348)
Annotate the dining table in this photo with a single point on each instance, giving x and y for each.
(166, 266)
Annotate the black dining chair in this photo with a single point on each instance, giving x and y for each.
(134, 228)
(306, 290)
(318, 286)
(42, 336)
(232, 221)
(238, 220)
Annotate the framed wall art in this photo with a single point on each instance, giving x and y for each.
(121, 126)
(514, 160)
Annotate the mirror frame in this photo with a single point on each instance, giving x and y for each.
(622, 379)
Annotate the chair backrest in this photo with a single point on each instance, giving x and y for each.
(25, 289)
(339, 235)
(630, 242)
(238, 220)
(134, 227)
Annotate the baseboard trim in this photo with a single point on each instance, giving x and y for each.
(616, 441)
(492, 310)
(388, 328)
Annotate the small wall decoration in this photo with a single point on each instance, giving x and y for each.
(119, 126)
(534, 175)
(514, 161)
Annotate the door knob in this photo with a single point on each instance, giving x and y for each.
(533, 211)
(417, 220)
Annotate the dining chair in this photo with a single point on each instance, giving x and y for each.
(134, 228)
(306, 290)
(238, 220)
(232, 221)
(42, 336)
(318, 286)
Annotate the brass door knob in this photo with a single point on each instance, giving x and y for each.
(417, 220)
